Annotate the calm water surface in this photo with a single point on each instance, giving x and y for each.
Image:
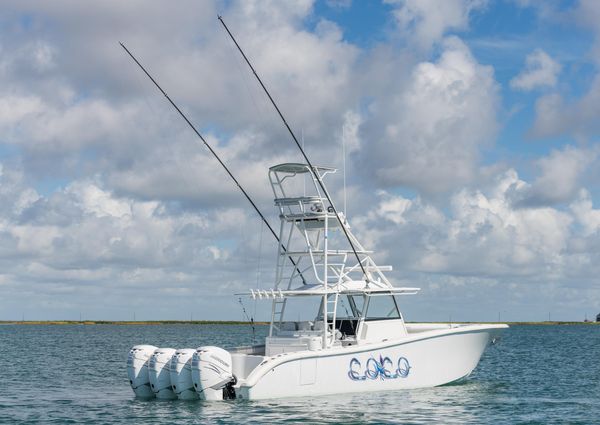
(77, 374)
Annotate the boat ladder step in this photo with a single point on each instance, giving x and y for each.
(331, 311)
(278, 309)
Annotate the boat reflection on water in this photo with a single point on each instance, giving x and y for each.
(447, 404)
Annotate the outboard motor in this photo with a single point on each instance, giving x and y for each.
(159, 373)
(181, 374)
(137, 370)
(212, 372)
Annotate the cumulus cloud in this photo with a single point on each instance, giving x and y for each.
(559, 179)
(578, 118)
(425, 22)
(15, 196)
(143, 212)
(87, 235)
(350, 131)
(208, 78)
(431, 133)
(540, 71)
(587, 13)
(143, 204)
(14, 109)
(587, 216)
(484, 235)
(189, 174)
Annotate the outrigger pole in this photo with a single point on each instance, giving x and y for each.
(217, 158)
(301, 150)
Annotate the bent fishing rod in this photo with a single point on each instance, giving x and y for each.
(313, 169)
(216, 157)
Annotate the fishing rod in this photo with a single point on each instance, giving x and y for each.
(217, 158)
(315, 172)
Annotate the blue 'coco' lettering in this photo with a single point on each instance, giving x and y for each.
(378, 369)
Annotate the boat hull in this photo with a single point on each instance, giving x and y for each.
(426, 359)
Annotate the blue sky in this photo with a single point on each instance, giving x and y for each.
(471, 130)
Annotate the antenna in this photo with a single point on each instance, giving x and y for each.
(344, 166)
(216, 156)
(313, 169)
(303, 177)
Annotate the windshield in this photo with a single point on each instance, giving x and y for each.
(382, 307)
(349, 307)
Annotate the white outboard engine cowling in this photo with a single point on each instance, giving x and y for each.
(159, 373)
(211, 372)
(137, 370)
(181, 374)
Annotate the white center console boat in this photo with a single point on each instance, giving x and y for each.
(336, 325)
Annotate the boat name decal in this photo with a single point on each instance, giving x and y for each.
(381, 369)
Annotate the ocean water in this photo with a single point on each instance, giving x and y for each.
(77, 374)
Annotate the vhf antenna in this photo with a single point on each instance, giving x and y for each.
(313, 169)
(217, 157)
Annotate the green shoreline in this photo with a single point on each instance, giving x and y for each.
(127, 322)
(229, 322)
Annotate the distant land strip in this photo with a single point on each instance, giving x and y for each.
(232, 322)
(128, 322)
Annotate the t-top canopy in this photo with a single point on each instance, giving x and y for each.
(297, 168)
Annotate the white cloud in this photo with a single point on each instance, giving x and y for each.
(559, 179)
(188, 173)
(15, 196)
(98, 230)
(14, 109)
(350, 131)
(433, 131)
(425, 22)
(586, 215)
(578, 118)
(587, 13)
(572, 115)
(143, 203)
(94, 200)
(101, 111)
(484, 235)
(141, 212)
(540, 71)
